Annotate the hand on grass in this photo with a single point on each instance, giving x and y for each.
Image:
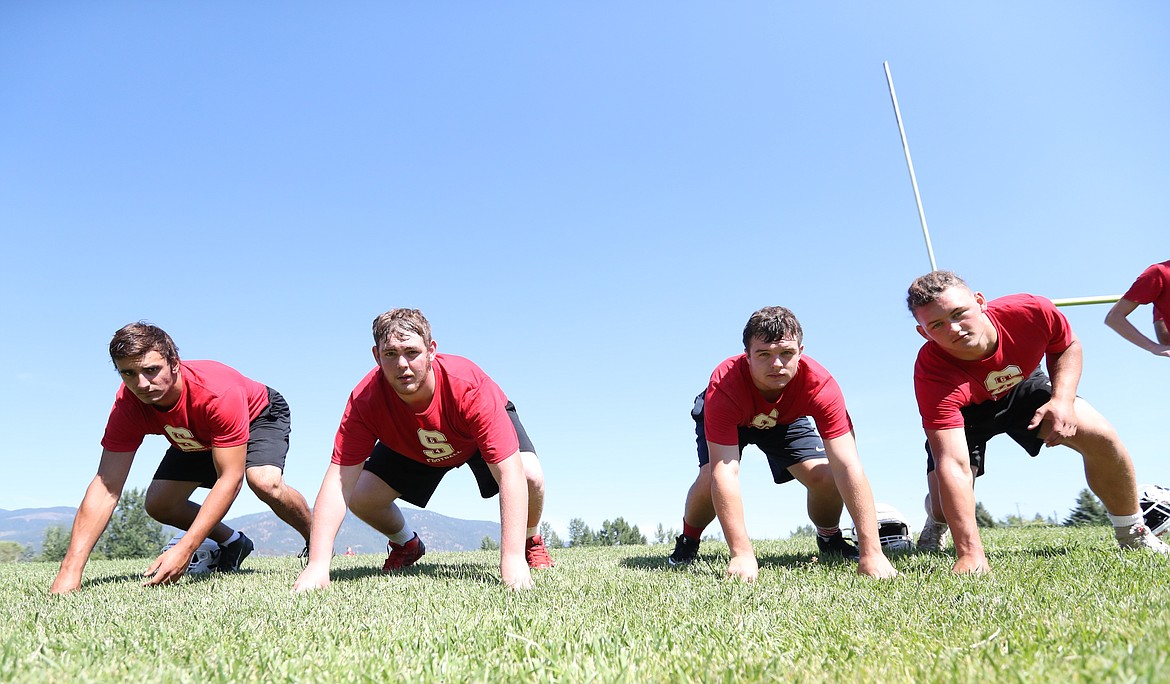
(743, 567)
(971, 565)
(514, 573)
(311, 579)
(878, 567)
(65, 583)
(168, 568)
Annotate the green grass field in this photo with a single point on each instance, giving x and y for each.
(1064, 605)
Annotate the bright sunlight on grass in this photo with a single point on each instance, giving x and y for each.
(1064, 605)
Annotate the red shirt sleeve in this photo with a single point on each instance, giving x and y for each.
(488, 422)
(355, 438)
(125, 428)
(828, 410)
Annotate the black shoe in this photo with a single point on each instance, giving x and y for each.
(686, 550)
(232, 555)
(837, 546)
(303, 556)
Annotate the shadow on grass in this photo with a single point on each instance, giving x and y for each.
(450, 571)
(139, 578)
(1041, 551)
(719, 562)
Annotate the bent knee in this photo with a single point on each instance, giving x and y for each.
(533, 471)
(266, 481)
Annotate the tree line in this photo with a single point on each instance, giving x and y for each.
(134, 534)
(616, 532)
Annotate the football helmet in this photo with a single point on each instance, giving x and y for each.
(205, 558)
(1155, 504)
(893, 530)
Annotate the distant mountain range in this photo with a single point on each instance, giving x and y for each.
(273, 537)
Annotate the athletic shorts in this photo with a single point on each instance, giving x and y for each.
(415, 482)
(1009, 415)
(784, 445)
(267, 445)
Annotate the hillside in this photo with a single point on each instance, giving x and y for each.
(27, 526)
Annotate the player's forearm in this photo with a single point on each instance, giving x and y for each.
(1064, 370)
(958, 500)
(92, 517)
(329, 510)
(213, 510)
(855, 491)
(1130, 333)
(725, 494)
(513, 509)
(858, 498)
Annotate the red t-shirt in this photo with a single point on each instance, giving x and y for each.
(215, 409)
(466, 415)
(1153, 287)
(1029, 327)
(732, 400)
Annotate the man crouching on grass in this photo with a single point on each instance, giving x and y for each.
(224, 428)
(977, 376)
(410, 421)
(765, 396)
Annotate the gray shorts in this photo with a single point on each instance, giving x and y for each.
(784, 445)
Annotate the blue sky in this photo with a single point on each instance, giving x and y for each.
(587, 199)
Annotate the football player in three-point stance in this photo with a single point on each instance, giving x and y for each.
(411, 420)
(764, 397)
(978, 375)
(223, 428)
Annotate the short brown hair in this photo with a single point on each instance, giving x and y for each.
(925, 289)
(399, 322)
(772, 324)
(141, 338)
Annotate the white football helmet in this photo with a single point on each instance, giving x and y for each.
(205, 558)
(893, 530)
(1155, 504)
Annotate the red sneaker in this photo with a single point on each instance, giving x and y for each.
(403, 555)
(536, 553)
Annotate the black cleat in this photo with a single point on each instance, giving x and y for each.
(686, 550)
(231, 556)
(836, 545)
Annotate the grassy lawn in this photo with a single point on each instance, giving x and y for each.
(1064, 605)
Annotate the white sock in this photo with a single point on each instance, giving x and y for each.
(402, 536)
(929, 507)
(532, 532)
(1126, 521)
(234, 537)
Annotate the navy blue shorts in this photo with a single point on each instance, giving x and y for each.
(415, 482)
(267, 445)
(784, 445)
(1008, 415)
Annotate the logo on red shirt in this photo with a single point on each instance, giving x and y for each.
(765, 422)
(1000, 381)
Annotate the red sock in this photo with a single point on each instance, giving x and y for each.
(692, 531)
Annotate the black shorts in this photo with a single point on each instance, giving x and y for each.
(1009, 415)
(415, 482)
(784, 445)
(267, 445)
